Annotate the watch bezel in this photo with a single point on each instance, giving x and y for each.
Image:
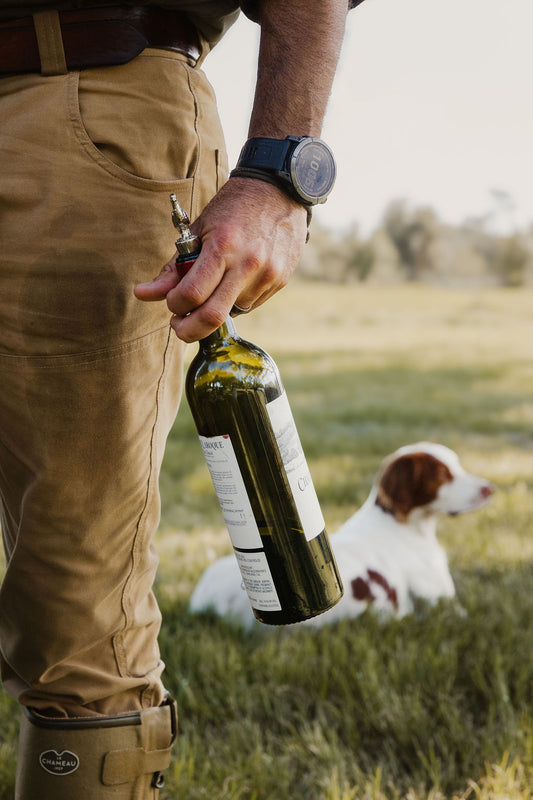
(294, 158)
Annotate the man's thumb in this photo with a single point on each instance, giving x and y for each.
(160, 286)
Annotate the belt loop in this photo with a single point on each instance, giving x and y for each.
(50, 42)
(204, 51)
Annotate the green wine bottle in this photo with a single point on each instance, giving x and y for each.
(259, 471)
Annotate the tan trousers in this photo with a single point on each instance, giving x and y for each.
(90, 377)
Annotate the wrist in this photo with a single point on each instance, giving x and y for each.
(290, 203)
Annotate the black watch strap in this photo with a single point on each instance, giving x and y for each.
(262, 153)
(269, 177)
(259, 174)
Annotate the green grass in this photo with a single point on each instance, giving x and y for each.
(438, 705)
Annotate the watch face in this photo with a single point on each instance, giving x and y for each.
(313, 170)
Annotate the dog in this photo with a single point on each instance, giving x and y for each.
(387, 553)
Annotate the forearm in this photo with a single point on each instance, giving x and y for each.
(300, 46)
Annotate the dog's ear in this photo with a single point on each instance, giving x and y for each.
(411, 481)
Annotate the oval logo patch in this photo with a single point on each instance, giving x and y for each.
(59, 763)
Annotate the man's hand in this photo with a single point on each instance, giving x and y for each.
(252, 238)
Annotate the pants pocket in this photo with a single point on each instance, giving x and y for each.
(142, 116)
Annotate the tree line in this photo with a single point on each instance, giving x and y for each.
(412, 244)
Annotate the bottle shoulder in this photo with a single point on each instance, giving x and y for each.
(232, 351)
(233, 361)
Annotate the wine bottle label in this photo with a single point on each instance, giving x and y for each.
(231, 492)
(240, 522)
(236, 508)
(296, 467)
(257, 580)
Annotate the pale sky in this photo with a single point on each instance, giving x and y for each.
(433, 101)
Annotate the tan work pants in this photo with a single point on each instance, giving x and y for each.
(90, 377)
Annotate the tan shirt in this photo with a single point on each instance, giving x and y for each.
(212, 17)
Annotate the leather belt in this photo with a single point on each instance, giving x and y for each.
(98, 37)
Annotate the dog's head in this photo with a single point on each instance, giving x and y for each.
(428, 477)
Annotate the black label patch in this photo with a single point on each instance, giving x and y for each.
(59, 763)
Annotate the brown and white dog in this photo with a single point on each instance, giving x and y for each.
(387, 552)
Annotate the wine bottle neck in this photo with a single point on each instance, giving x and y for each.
(226, 331)
(188, 246)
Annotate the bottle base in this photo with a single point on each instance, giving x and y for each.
(280, 618)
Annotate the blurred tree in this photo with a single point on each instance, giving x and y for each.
(413, 233)
(507, 258)
(337, 257)
(358, 254)
(322, 258)
(413, 244)
(361, 262)
(510, 259)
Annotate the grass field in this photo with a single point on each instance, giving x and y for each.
(438, 705)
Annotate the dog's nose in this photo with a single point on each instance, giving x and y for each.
(486, 490)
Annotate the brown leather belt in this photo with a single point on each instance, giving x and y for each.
(98, 37)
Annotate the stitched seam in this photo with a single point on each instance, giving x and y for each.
(86, 358)
(194, 211)
(139, 534)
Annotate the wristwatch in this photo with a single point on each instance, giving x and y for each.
(302, 166)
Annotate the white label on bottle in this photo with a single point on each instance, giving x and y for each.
(258, 582)
(231, 492)
(296, 467)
